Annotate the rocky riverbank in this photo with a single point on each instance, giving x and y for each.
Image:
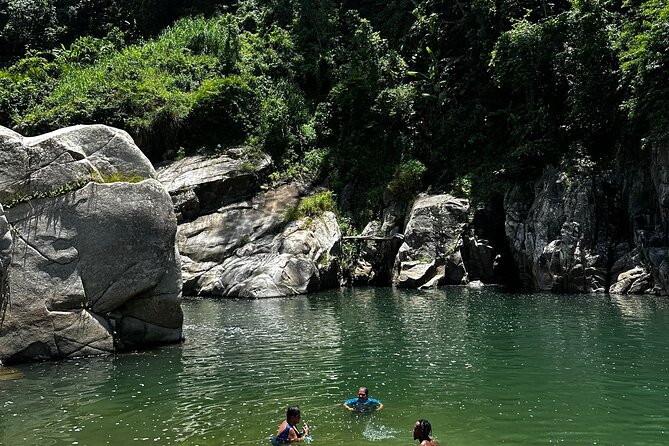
(96, 246)
(582, 230)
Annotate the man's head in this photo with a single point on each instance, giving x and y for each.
(363, 393)
(422, 430)
(293, 415)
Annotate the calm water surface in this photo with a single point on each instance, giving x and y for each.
(485, 368)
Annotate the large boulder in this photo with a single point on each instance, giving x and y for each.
(94, 268)
(207, 241)
(6, 247)
(66, 159)
(234, 240)
(430, 254)
(301, 258)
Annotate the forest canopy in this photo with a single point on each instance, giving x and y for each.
(369, 96)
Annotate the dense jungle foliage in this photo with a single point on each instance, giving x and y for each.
(367, 96)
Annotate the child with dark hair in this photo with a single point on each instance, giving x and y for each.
(422, 431)
(288, 432)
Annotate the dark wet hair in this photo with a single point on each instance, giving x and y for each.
(365, 389)
(425, 429)
(292, 411)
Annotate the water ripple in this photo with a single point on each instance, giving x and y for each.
(483, 367)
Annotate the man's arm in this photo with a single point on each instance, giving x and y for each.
(351, 404)
(376, 404)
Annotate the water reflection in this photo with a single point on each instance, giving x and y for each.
(10, 373)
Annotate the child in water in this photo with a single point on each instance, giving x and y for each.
(422, 431)
(288, 432)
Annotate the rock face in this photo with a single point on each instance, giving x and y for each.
(6, 246)
(430, 254)
(238, 245)
(592, 231)
(557, 240)
(200, 185)
(93, 267)
(375, 259)
(299, 259)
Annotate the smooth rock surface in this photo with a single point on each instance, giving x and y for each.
(301, 258)
(94, 267)
(430, 254)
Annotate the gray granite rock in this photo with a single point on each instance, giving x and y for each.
(301, 258)
(430, 254)
(201, 184)
(94, 267)
(556, 239)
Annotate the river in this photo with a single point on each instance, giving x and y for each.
(484, 367)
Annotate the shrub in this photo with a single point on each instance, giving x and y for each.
(312, 206)
(407, 179)
(224, 110)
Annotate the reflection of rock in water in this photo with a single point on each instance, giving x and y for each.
(8, 374)
(637, 307)
(378, 433)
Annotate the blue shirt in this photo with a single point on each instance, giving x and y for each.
(359, 405)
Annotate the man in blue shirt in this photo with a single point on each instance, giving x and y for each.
(363, 403)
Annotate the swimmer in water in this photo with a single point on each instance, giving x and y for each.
(422, 431)
(363, 403)
(288, 432)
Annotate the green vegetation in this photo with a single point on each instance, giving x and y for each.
(407, 179)
(312, 206)
(120, 177)
(54, 192)
(116, 177)
(368, 96)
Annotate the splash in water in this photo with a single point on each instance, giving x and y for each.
(378, 433)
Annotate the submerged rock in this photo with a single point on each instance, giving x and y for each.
(10, 374)
(93, 267)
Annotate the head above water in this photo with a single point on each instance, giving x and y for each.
(422, 430)
(363, 392)
(293, 414)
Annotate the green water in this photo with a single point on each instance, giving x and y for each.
(485, 368)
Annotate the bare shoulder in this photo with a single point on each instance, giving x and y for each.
(429, 443)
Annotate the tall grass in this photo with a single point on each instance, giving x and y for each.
(312, 206)
(148, 89)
